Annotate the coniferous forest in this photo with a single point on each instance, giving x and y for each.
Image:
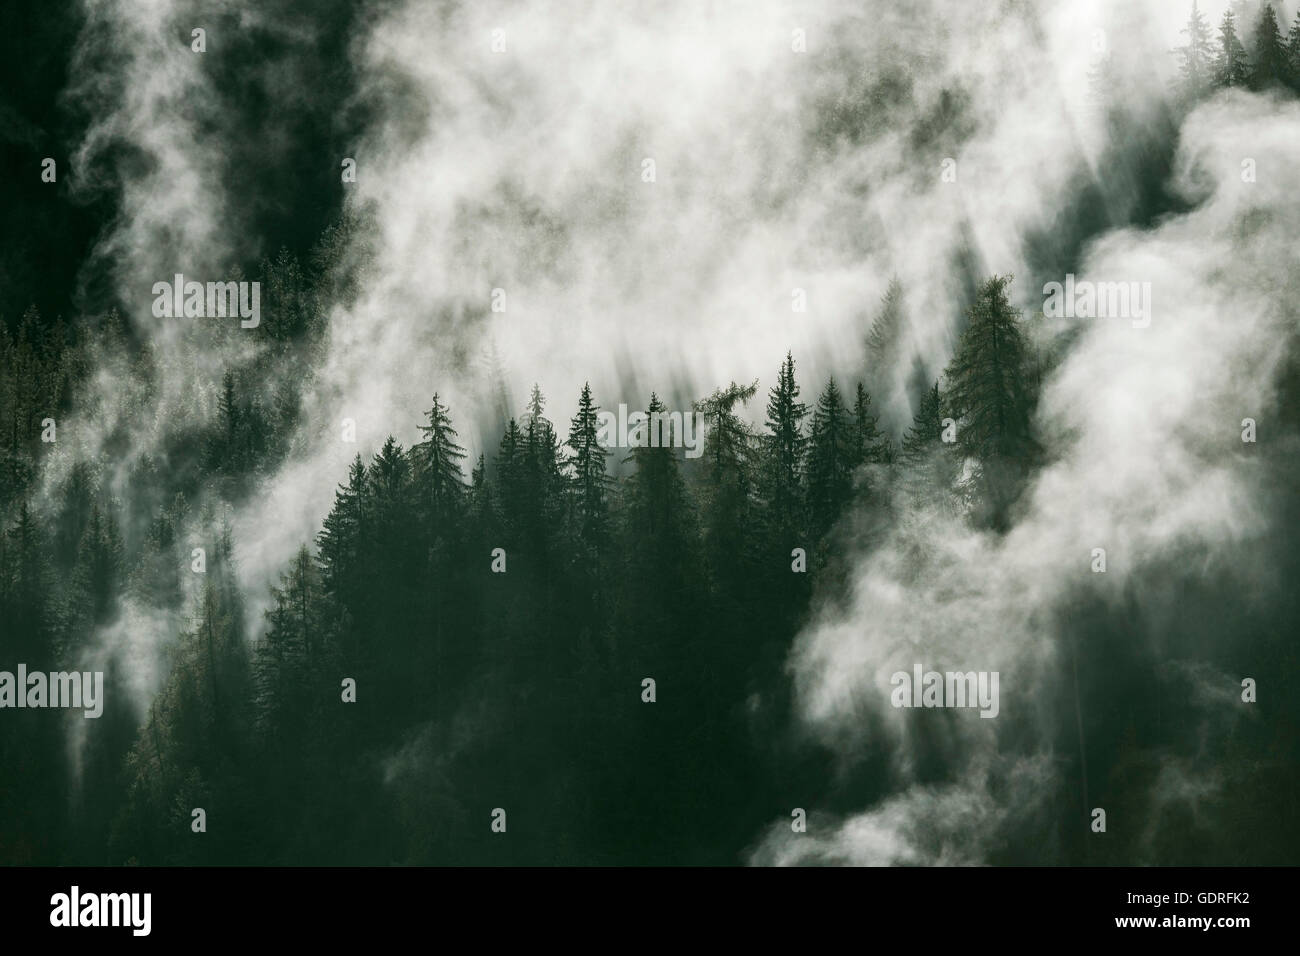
(644, 653)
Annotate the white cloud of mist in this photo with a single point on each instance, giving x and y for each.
(1144, 426)
(939, 825)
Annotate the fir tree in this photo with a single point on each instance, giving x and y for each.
(785, 441)
(395, 552)
(587, 462)
(728, 491)
(1196, 65)
(1270, 54)
(658, 541)
(1231, 65)
(987, 392)
(536, 405)
(656, 487)
(511, 468)
(729, 438)
(441, 481)
(833, 451)
(990, 398)
(544, 483)
(341, 541)
(390, 474)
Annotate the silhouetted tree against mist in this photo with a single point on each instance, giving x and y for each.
(1196, 57)
(439, 480)
(783, 458)
(340, 538)
(989, 398)
(511, 467)
(658, 523)
(1231, 65)
(1270, 67)
(986, 390)
(729, 503)
(587, 465)
(544, 481)
(782, 492)
(883, 341)
(833, 452)
(440, 490)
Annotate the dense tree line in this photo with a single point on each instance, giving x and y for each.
(1212, 60)
(519, 687)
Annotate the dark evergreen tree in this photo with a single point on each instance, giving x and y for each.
(1270, 66)
(987, 392)
(1231, 64)
(440, 481)
(341, 533)
(783, 469)
(482, 506)
(728, 506)
(511, 467)
(347, 573)
(587, 463)
(990, 398)
(545, 484)
(657, 535)
(833, 453)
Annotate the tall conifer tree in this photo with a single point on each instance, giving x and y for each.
(784, 458)
(1269, 63)
(832, 454)
(1231, 65)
